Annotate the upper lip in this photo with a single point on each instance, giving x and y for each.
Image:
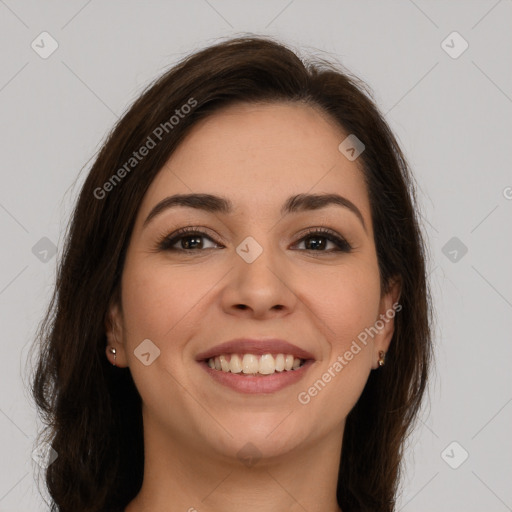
(256, 347)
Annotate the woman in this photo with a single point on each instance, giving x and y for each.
(241, 318)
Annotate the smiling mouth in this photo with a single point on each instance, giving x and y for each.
(255, 365)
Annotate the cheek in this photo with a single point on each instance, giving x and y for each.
(346, 304)
(159, 302)
(346, 301)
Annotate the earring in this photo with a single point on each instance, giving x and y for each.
(113, 351)
(382, 358)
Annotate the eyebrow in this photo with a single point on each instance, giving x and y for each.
(216, 204)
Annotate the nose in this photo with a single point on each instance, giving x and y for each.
(260, 289)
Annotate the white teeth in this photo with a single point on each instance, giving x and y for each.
(250, 364)
(279, 363)
(224, 364)
(235, 365)
(266, 364)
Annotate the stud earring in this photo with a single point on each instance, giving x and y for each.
(113, 351)
(382, 358)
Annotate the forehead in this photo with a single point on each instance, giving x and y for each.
(258, 155)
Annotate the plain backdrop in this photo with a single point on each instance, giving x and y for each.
(441, 73)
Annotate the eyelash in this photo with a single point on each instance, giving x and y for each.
(166, 242)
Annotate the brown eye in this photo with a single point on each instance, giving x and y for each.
(186, 239)
(191, 239)
(318, 241)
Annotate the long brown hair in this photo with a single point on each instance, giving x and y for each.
(92, 410)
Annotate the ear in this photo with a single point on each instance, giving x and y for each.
(388, 308)
(115, 334)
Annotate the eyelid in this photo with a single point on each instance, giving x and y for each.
(319, 230)
(329, 234)
(166, 241)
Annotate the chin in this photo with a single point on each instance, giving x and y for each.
(257, 436)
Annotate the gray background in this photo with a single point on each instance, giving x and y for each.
(451, 115)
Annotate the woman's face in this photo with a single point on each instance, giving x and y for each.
(257, 272)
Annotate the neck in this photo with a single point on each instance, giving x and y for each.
(182, 477)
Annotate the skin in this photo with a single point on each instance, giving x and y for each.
(257, 156)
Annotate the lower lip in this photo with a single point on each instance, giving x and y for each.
(258, 384)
